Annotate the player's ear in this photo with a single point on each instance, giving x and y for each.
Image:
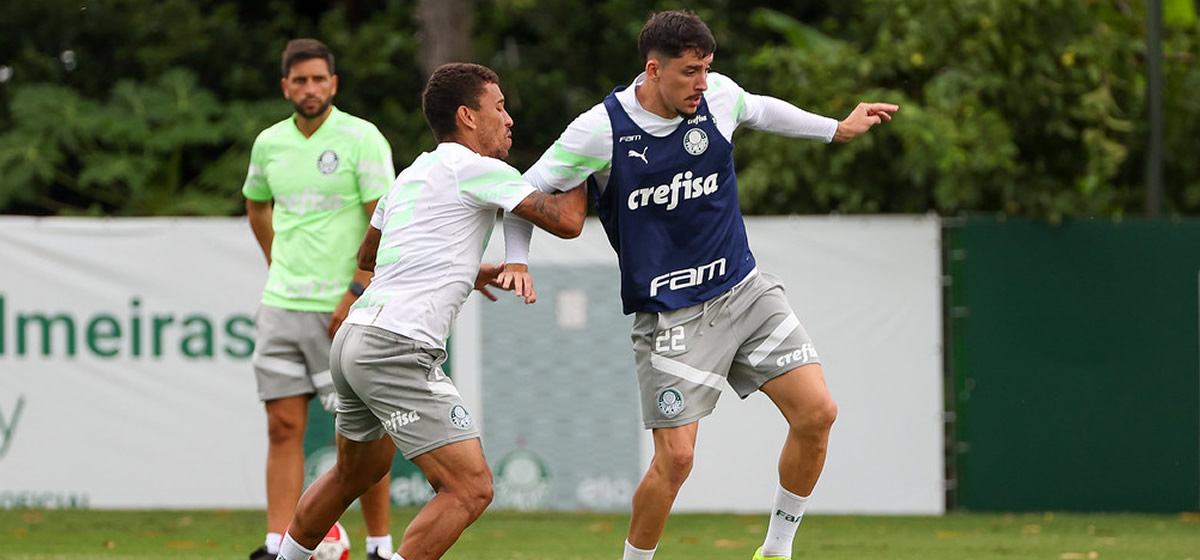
(283, 87)
(333, 81)
(466, 116)
(652, 68)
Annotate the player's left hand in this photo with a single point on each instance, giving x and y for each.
(862, 118)
(516, 278)
(340, 313)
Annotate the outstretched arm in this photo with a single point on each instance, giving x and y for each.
(862, 118)
(561, 214)
(762, 112)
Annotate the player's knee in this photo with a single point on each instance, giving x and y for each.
(282, 429)
(676, 463)
(818, 419)
(476, 493)
(482, 495)
(826, 414)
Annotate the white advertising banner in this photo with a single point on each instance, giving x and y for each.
(125, 377)
(869, 292)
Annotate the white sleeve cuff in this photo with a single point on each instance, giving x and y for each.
(517, 233)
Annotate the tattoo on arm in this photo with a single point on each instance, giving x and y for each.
(561, 214)
(543, 206)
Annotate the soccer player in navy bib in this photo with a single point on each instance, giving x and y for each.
(658, 156)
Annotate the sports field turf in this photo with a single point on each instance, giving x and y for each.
(211, 535)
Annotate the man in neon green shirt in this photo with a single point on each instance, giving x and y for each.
(325, 171)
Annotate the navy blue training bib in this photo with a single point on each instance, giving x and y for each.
(671, 212)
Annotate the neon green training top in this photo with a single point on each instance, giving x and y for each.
(319, 184)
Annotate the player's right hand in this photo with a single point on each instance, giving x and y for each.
(862, 118)
(516, 277)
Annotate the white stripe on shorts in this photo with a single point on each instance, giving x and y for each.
(684, 371)
(280, 366)
(772, 342)
(443, 388)
(322, 380)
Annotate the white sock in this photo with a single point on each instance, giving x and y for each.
(785, 519)
(633, 553)
(397, 556)
(382, 544)
(291, 550)
(273, 540)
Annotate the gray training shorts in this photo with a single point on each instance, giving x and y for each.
(387, 382)
(291, 355)
(747, 336)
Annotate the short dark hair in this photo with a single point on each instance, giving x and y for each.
(451, 86)
(673, 33)
(299, 50)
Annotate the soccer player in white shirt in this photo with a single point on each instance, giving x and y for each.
(658, 155)
(425, 245)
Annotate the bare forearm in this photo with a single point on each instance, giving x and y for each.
(363, 276)
(265, 235)
(259, 214)
(367, 251)
(561, 214)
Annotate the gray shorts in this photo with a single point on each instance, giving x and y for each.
(747, 336)
(387, 382)
(291, 355)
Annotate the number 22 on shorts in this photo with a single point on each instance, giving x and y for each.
(669, 339)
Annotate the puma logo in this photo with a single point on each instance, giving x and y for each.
(641, 155)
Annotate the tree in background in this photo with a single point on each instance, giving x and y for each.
(1035, 107)
(1021, 106)
(445, 32)
(139, 107)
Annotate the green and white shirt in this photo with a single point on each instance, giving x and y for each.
(436, 221)
(319, 184)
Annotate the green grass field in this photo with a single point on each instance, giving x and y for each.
(212, 535)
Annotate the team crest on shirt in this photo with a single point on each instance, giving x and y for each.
(328, 162)
(695, 141)
(670, 402)
(460, 417)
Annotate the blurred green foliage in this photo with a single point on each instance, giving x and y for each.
(1035, 107)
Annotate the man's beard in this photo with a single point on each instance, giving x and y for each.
(501, 149)
(316, 113)
(500, 152)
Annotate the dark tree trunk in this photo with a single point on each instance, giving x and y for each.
(445, 32)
